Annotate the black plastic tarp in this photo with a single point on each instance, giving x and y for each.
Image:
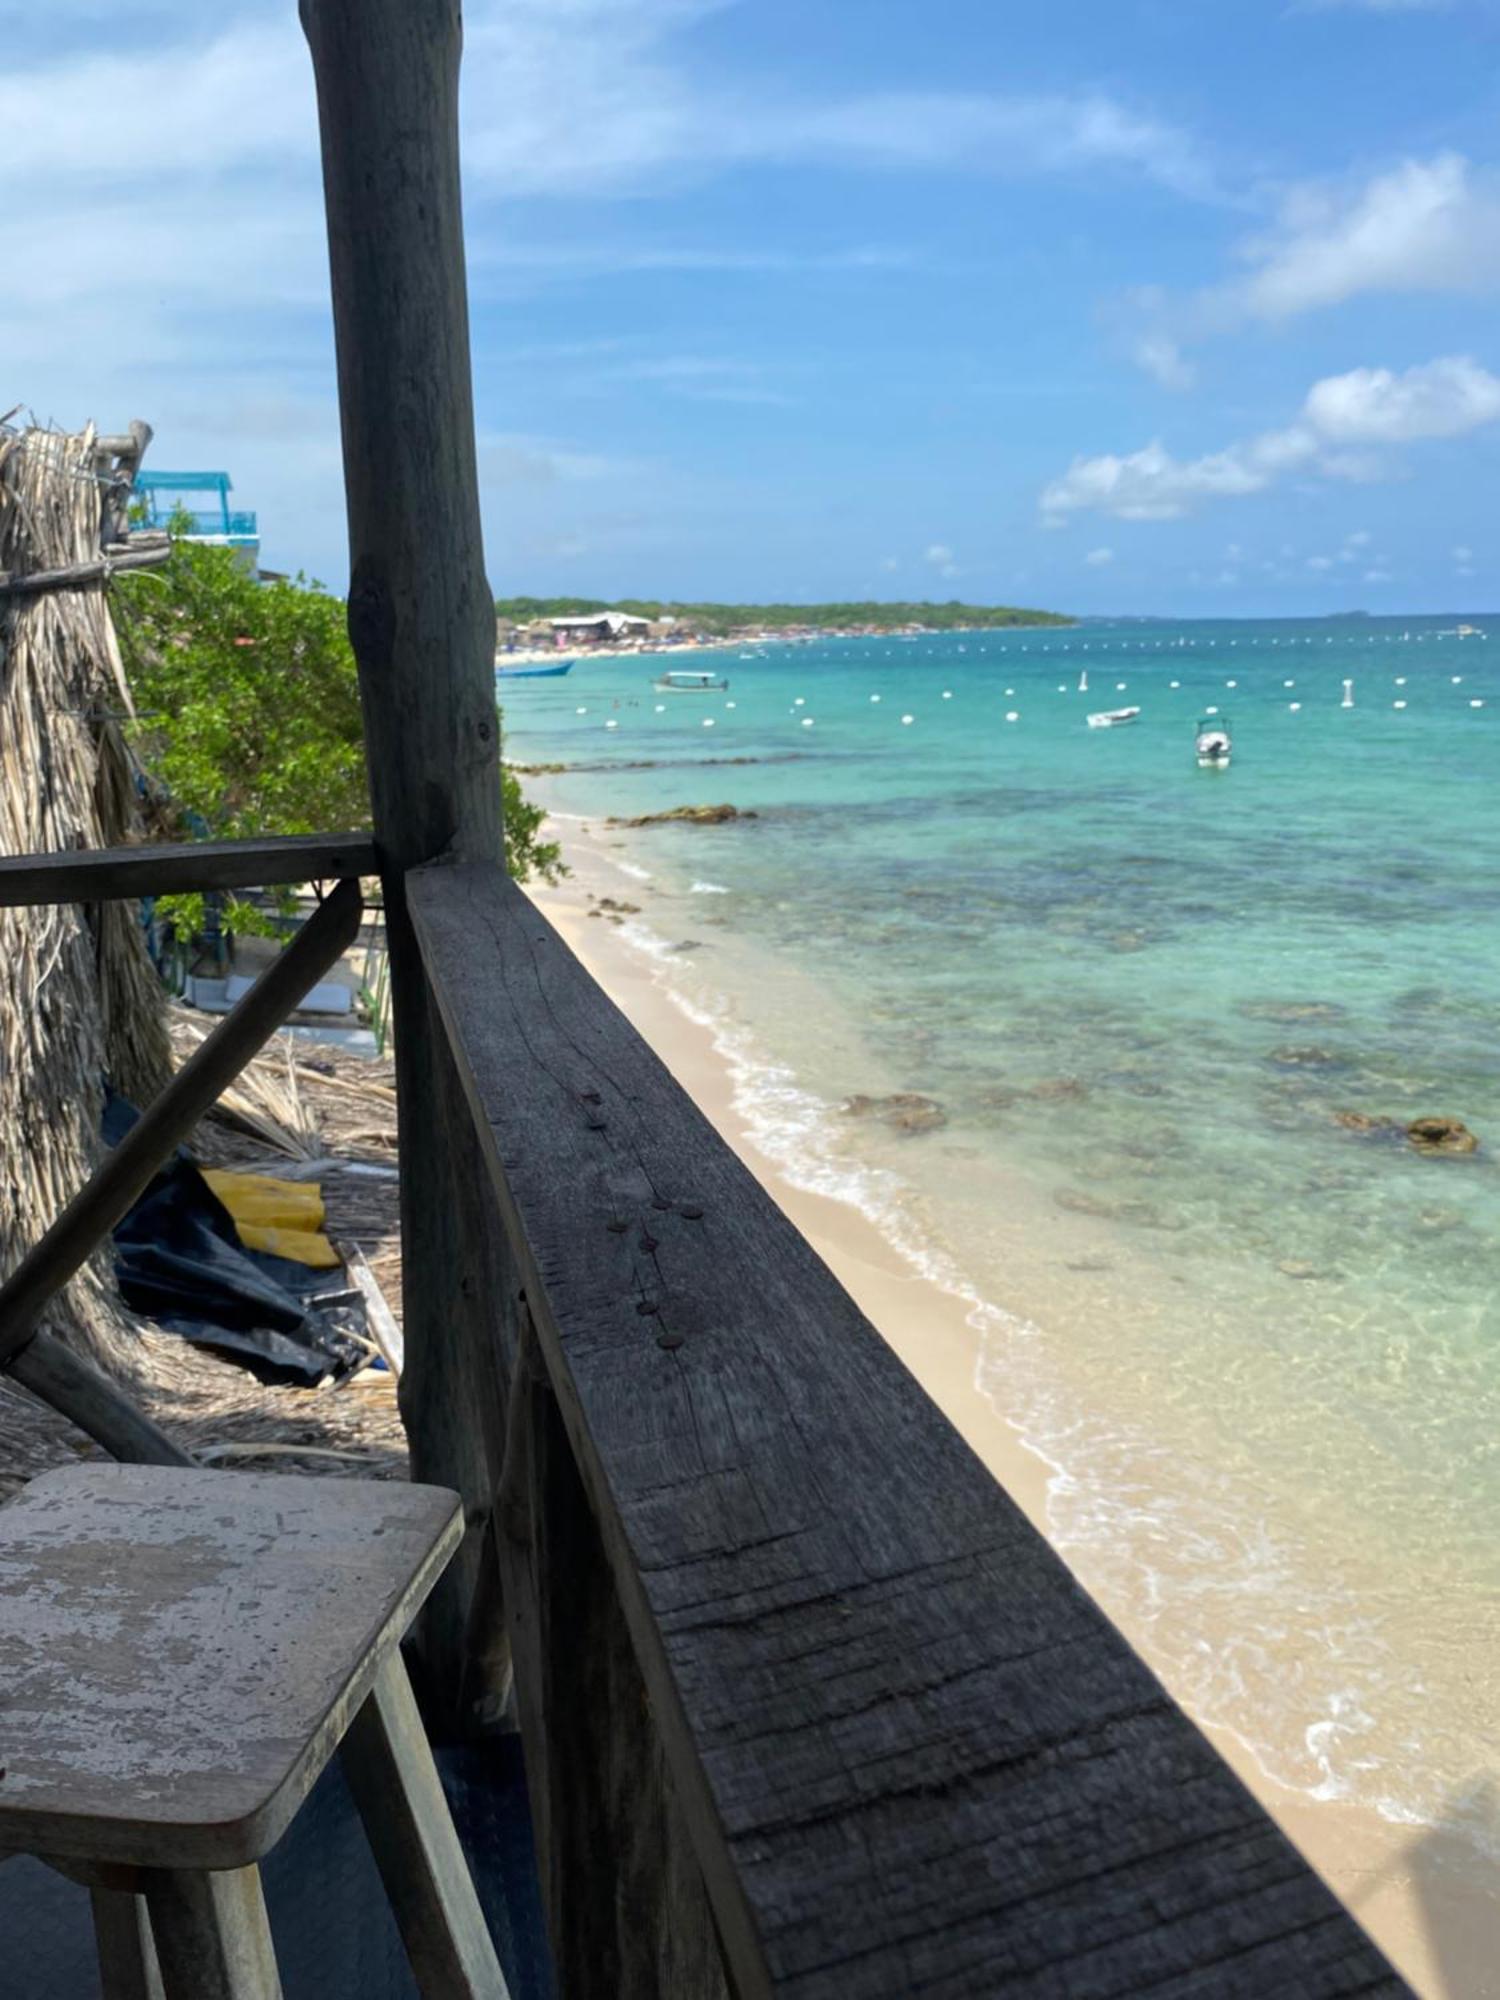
(179, 1261)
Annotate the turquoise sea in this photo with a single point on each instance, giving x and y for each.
(1125, 1007)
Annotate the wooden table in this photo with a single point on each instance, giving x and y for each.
(181, 1652)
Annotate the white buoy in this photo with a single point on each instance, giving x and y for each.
(1012, 716)
(1398, 704)
(800, 702)
(581, 711)
(1457, 681)
(1120, 687)
(1231, 684)
(661, 708)
(908, 718)
(874, 697)
(1174, 684)
(1010, 691)
(947, 694)
(708, 722)
(1475, 702)
(1210, 710)
(1348, 701)
(1295, 707)
(807, 722)
(1288, 684)
(611, 725)
(730, 704)
(1401, 680)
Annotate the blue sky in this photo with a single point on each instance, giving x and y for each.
(1142, 305)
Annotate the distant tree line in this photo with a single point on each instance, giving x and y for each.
(718, 618)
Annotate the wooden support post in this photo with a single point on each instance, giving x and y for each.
(196, 1088)
(400, 1798)
(212, 1938)
(127, 1952)
(422, 622)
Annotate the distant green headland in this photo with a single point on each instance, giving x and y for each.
(719, 619)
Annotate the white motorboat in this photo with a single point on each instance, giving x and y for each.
(1212, 743)
(1112, 718)
(683, 682)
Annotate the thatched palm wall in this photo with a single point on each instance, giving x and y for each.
(78, 997)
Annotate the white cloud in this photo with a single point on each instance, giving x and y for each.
(1152, 485)
(1424, 226)
(939, 555)
(1378, 576)
(1368, 406)
(1462, 554)
(1099, 558)
(1446, 398)
(1320, 562)
(1163, 359)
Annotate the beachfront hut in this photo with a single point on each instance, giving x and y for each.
(598, 628)
(808, 1708)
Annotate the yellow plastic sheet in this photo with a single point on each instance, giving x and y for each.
(283, 1218)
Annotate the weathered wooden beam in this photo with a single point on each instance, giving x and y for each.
(912, 1754)
(75, 575)
(626, 1906)
(385, 1330)
(422, 622)
(104, 874)
(85, 1395)
(125, 1172)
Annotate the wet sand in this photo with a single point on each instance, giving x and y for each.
(1421, 1892)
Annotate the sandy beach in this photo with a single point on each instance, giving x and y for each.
(1421, 1891)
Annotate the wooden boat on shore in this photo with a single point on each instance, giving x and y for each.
(689, 681)
(1112, 718)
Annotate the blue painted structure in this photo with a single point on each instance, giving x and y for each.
(162, 495)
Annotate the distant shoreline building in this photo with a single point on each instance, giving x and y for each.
(598, 628)
(162, 494)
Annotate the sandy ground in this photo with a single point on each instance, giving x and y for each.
(1421, 1892)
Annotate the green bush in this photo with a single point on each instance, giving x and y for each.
(248, 703)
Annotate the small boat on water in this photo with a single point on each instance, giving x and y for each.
(1112, 718)
(683, 681)
(1212, 743)
(547, 673)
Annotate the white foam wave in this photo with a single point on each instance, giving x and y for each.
(708, 889)
(631, 868)
(1154, 1540)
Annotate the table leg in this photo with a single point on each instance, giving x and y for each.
(400, 1797)
(212, 1938)
(127, 1955)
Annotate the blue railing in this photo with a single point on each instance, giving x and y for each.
(240, 525)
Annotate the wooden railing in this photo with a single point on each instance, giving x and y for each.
(809, 1707)
(27, 1350)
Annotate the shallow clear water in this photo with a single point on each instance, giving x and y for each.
(1260, 1351)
